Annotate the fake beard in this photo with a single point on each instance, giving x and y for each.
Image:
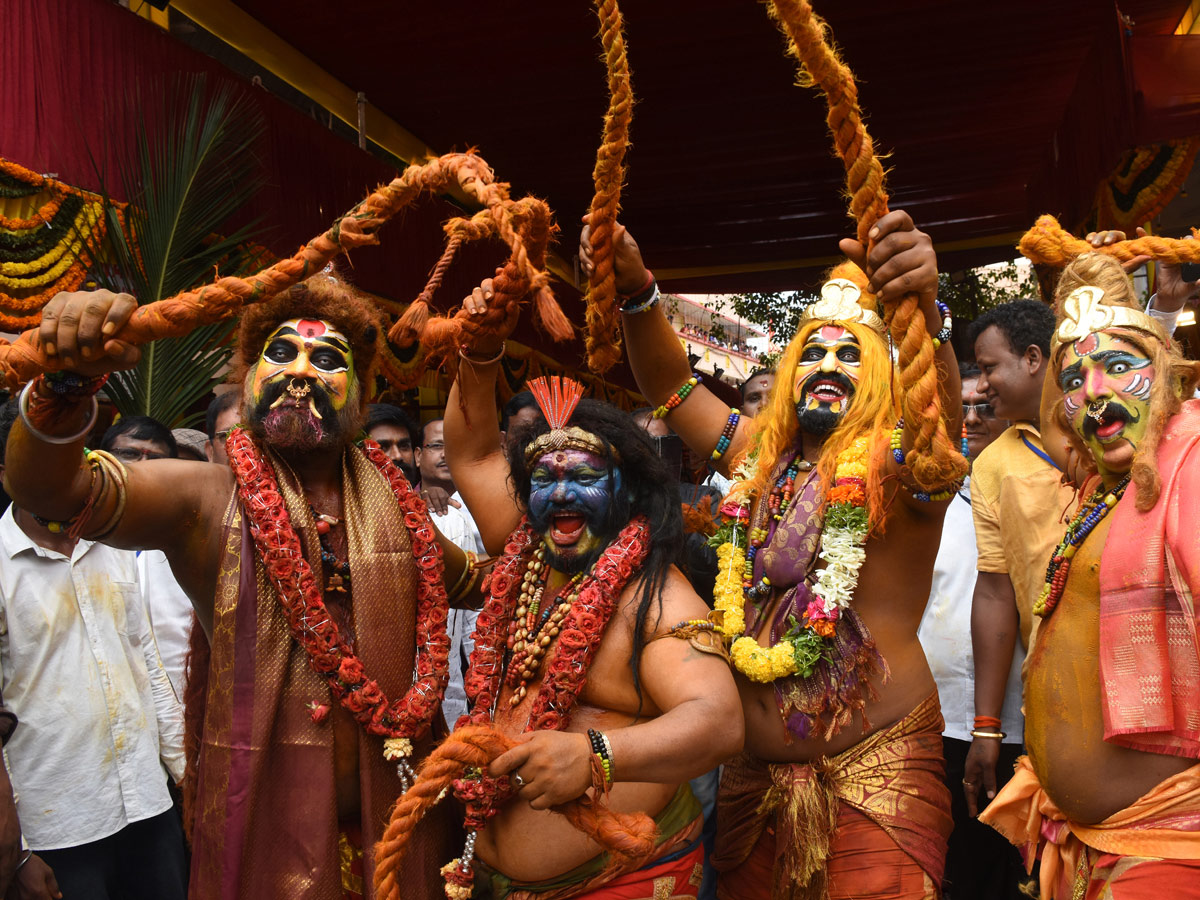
(300, 428)
(822, 417)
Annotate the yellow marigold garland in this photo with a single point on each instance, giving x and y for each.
(842, 542)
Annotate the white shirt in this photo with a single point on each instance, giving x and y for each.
(170, 613)
(79, 667)
(458, 525)
(945, 631)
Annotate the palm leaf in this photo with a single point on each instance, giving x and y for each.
(189, 181)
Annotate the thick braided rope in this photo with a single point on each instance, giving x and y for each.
(934, 460)
(603, 327)
(444, 335)
(1048, 243)
(224, 298)
(628, 837)
(409, 327)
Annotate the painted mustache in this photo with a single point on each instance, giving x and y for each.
(1105, 418)
(299, 393)
(823, 386)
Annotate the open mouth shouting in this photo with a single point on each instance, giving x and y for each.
(566, 528)
(830, 390)
(1106, 420)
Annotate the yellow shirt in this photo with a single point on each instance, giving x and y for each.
(1021, 510)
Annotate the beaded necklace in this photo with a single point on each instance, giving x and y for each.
(338, 570)
(531, 635)
(778, 503)
(1084, 523)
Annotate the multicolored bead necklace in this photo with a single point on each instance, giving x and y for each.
(1084, 523)
(778, 503)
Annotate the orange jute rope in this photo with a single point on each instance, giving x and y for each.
(1047, 243)
(224, 298)
(628, 837)
(603, 319)
(935, 461)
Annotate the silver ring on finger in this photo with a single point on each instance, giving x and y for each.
(518, 780)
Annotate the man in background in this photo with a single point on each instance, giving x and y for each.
(980, 864)
(99, 720)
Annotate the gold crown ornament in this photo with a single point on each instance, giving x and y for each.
(1083, 313)
(840, 303)
(557, 397)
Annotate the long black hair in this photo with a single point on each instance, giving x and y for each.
(647, 489)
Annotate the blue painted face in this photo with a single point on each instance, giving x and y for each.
(570, 499)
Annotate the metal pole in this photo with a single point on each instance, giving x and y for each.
(362, 121)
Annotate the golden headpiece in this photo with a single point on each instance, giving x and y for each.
(1083, 313)
(840, 303)
(557, 397)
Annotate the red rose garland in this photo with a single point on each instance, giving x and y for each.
(578, 640)
(303, 603)
(566, 675)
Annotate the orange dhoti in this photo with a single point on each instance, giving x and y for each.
(871, 822)
(1131, 855)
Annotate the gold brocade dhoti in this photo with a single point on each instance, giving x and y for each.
(893, 777)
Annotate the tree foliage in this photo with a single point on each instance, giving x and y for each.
(190, 179)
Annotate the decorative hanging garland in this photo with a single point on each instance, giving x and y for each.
(330, 655)
(843, 539)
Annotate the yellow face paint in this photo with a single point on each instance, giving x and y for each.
(1106, 383)
(831, 350)
(303, 351)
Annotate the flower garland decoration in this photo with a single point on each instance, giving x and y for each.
(566, 673)
(842, 549)
(329, 654)
(48, 250)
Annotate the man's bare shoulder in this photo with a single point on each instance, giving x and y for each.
(677, 601)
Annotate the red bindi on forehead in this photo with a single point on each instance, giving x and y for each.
(310, 328)
(832, 332)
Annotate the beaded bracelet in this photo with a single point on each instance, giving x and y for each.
(638, 305)
(678, 397)
(936, 496)
(943, 336)
(898, 441)
(72, 384)
(602, 749)
(726, 437)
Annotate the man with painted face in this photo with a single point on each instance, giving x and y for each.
(827, 553)
(312, 569)
(592, 651)
(1110, 791)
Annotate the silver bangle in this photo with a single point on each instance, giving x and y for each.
(51, 439)
(28, 856)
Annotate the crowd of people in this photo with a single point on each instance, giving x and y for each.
(716, 339)
(800, 649)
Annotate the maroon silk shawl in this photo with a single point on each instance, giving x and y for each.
(266, 825)
(1149, 652)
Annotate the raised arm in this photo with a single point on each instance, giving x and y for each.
(659, 364)
(163, 504)
(473, 448)
(900, 261)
